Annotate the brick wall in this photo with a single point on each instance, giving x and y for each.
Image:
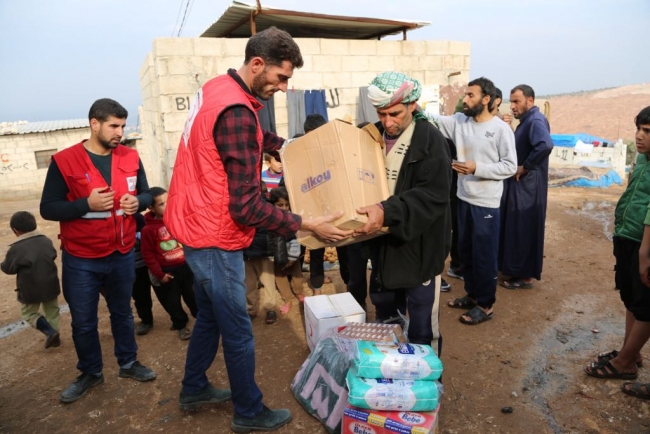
(20, 178)
(177, 67)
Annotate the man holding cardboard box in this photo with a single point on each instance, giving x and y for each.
(417, 213)
(213, 208)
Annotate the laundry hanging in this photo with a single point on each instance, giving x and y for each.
(296, 109)
(267, 115)
(316, 103)
(366, 112)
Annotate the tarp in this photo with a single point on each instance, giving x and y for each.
(603, 181)
(570, 140)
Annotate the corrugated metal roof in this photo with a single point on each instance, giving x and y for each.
(23, 127)
(235, 23)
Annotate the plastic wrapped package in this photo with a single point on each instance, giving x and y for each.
(397, 361)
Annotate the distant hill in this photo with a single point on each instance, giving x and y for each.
(607, 113)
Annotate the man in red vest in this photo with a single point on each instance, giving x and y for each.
(93, 189)
(213, 207)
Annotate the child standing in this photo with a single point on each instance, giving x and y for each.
(165, 259)
(286, 255)
(142, 283)
(31, 257)
(273, 174)
(630, 218)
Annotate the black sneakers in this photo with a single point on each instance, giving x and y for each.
(80, 386)
(266, 420)
(137, 372)
(444, 286)
(143, 328)
(209, 395)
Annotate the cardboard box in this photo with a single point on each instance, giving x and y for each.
(337, 167)
(361, 421)
(324, 312)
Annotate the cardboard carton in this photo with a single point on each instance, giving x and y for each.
(337, 167)
(360, 421)
(324, 312)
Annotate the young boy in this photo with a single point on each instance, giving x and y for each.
(273, 174)
(286, 255)
(32, 257)
(632, 259)
(142, 284)
(258, 261)
(165, 259)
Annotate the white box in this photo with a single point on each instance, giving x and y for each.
(323, 312)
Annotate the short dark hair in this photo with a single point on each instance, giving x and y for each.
(105, 107)
(23, 221)
(525, 89)
(278, 193)
(643, 118)
(274, 46)
(157, 191)
(313, 121)
(487, 88)
(497, 94)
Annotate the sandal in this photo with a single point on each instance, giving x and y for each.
(462, 303)
(271, 317)
(606, 357)
(516, 284)
(607, 370)
(636, 390)
(477, 316)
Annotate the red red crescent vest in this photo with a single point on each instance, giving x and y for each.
(197, 212)
(98, 234)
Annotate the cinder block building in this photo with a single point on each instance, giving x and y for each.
(26, 149)
(341, 54)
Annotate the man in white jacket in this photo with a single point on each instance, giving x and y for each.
(486, 156)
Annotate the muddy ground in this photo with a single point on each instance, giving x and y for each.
(529, 357)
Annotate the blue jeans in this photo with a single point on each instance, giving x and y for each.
(221, 299)
(478, 244)
(83, 278)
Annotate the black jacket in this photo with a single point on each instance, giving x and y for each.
(418, 214)
(32, 257)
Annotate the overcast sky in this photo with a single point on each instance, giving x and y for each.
(57, 57)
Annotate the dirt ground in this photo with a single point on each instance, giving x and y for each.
(529, 357)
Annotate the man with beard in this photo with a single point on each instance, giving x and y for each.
(213, 207)
(486, 156)
(523, 204)
(93, 189)
(412, 256)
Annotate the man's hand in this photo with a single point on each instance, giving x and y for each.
(101, 199)
(507, 119)
(323, 228)
(464, 168)
(129, 204)
(167, 278)
(520, 172)
(375, 221)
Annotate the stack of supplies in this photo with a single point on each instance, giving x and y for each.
(393, 377)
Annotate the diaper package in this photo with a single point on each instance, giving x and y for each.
(391, 395)
(397, 361)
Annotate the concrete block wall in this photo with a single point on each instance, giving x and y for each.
(177, 67)
(20, 177)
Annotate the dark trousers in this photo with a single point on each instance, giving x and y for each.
(478, 243)
(418, 302)
(170, 294)
(142, 295)
(456, 264)
(344, 268)
(316, 268)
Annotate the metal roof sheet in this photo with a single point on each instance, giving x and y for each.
(22, 127)
(235, 23)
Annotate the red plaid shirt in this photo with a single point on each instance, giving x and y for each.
(235, 134)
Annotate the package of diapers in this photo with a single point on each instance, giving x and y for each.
(391, 395)
(397, 361)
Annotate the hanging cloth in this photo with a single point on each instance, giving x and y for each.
(267, 115)
(366, 112)
(316, 103)
(296, 109)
